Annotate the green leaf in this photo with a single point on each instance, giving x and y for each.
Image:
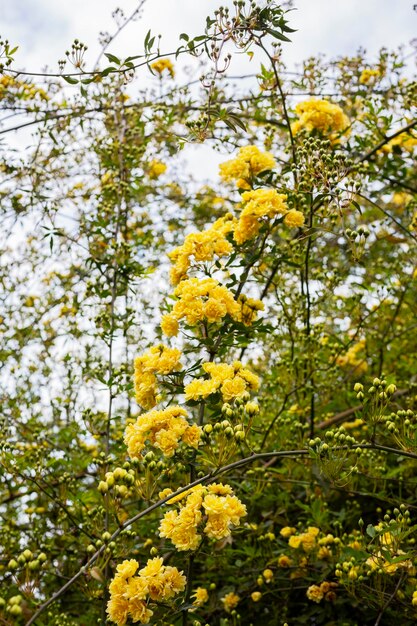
(112, 58)
(70, 80)
(277, 35)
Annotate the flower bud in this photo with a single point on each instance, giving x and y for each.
(15, 610)
(252, 408)
(103, 487)
(110, 479)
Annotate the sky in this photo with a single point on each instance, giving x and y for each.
(44, 29)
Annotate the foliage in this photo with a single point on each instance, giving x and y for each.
(209, 392)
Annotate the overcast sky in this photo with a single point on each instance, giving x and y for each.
(44, 29)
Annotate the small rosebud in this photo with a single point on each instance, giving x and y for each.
(103, 487)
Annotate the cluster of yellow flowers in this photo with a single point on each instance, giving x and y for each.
(23, 90)
(215, 506)
(156, 169)
(232, 381)
(249, 163)
(352, 360)
(157, 360)
(203, 246)
(198, 300)
(325, 590)
(306, 540)
(405, 141)
(163, 429)
(368, 76)
(163, 64)
(307, 546)
(322, 116)
(258, 204)
(131, 592)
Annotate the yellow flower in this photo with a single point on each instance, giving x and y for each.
(294, 218)
(294, 541)
(287, 531)
(163, 64)
(203, 299)
(284, 561)
(156, 168)
(256, 596)
(322, 116)
(268, 574)
(230, 601)
(249, 309)
(127, 568)
(129, 592)
(200, 596)
(118, 609)
(202, 246)
(169, 325)
(163, 429)
(157, 360)
(259, 205)
(221, 513)
(249, 163)
(231, 380)
(315, 593)
(368, 76)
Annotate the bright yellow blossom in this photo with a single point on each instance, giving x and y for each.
(368, 76)
(232, 381)
(202, 246)
(129, 589)
(230, 601)
(258, 206)
(322, 116)
(163, 429)
(157, 360)
(156, 169)
(218, 512)
(163, 64)
(200, 596)
(249, 162)
(294, 218)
